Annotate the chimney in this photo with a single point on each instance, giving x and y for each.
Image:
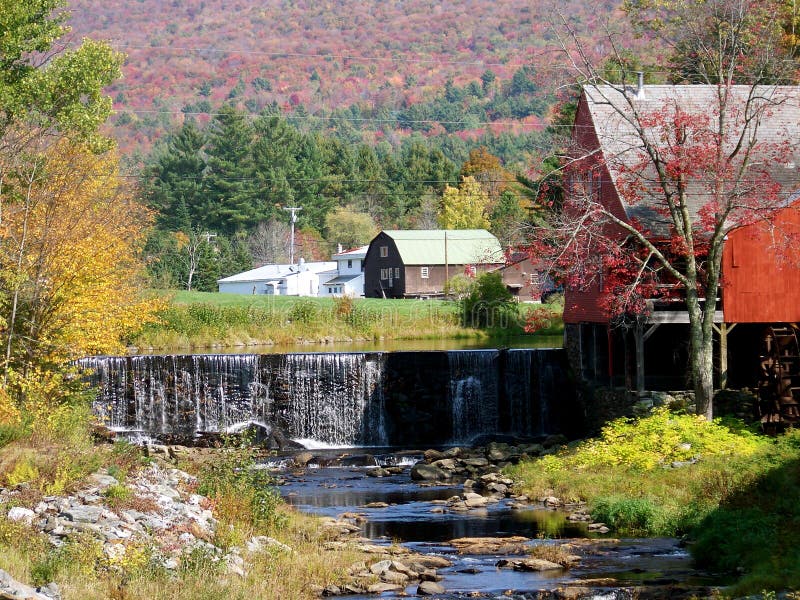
(338, 248)
(640, 85)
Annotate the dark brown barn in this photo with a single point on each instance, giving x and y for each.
(759, 305)
(416, 263)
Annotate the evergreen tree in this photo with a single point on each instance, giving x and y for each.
(231, 201)
(175, 189)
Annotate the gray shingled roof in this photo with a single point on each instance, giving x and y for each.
(611, 114)
(464, 246)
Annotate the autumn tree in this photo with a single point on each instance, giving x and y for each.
(69, 233)
(464, 207)
(69, 271)
(688, 165)
(349, 228)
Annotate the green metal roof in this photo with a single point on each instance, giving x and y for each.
(464, 246)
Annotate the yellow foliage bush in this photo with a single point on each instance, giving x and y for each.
(9, 412)
(24, 471)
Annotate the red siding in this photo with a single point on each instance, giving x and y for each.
(761, 284)
(585, 305)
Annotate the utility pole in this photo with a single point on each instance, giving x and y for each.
(446, 262)
(294, 210)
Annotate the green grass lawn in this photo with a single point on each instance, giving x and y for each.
(407, 307)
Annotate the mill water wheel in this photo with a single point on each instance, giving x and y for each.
(779, 378)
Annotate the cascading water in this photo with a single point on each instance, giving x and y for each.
(474, 392)
(341, 399)
(518, 381)
(335, 398)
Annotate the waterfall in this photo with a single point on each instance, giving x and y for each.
(518, 381)
(335, 398)
(473, 393)
(341, 399)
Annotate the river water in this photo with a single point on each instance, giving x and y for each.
(610, 568)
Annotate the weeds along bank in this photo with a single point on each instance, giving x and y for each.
(202, 320)
(733, 494)
(106, 521)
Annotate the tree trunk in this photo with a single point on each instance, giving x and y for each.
(701, 356)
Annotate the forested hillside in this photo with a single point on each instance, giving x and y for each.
(377, 67)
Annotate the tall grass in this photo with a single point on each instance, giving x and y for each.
(203, 320)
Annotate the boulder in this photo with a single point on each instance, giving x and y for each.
(15, 590)
(491, 545)
(21, 515)
(535, 564)
(380, 588)
(84, 514)
(429, 588)
(473, 500)
(377, 472)
(433, 455)
(425, 472)
(301, 459)
(395, 577)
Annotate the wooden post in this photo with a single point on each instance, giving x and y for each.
(638, 337)
(723, 330)
(641, 336)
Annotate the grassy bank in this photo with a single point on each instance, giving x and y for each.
(196, 320)
(55, 456)
(734, 494)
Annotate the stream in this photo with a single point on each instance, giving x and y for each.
(609, 568)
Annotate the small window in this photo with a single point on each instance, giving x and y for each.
(330, 290)
(423, 272)
(534, 279)
(349, 264)
(384, 273)
(384, 251)
(397, 272)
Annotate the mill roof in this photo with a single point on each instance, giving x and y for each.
(614, 111)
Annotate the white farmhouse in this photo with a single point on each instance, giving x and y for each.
(349, 277)
(302, 279)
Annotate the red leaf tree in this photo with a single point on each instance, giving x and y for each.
(657, 176)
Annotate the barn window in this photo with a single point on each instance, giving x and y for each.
(423, 272)
(384, 273)
(384, 251)
(397, 272)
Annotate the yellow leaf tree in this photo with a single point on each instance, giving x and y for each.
(464, 207)
(69, 267)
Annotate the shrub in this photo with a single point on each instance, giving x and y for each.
(489, 304)
(303, 311)
(243, 495)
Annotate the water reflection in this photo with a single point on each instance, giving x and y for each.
(530, 341)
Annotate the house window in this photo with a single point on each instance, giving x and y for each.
(384, 273)
(330, 290)
(349, 264)
(397, 272)
(534, 279)
(384, 251)
(423, 272)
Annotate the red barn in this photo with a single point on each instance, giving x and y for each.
(760, 282)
